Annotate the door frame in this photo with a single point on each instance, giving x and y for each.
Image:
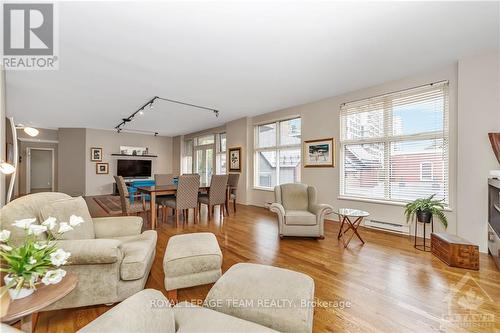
(28, 167)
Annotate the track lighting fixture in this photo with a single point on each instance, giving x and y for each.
(150, 103)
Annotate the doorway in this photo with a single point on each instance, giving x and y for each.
(204, 162)
(39, 170)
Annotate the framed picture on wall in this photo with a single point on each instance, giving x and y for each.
(102, 168)
(319, 153)
(234, 159)
(96, 154)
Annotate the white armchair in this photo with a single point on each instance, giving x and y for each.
(298, 212)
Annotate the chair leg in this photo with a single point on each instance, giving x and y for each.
(226, 207)
(210, 210)
(177, 218)
(234, 205)
(195, 218)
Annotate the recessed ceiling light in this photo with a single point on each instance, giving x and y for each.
(141, 113)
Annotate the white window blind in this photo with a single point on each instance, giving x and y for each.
(394, 147)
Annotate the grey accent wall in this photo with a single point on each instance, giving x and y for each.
(71, 161)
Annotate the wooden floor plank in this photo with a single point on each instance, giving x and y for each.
(391, 286)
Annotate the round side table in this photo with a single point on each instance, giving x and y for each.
(26, 308)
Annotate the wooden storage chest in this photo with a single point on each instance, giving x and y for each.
(455, 251)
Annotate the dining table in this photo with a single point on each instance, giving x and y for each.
(158, 190)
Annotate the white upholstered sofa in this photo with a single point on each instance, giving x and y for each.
(298, 212)
(110, 255)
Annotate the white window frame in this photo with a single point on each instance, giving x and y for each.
(389, 138)
(220, 152)
(276, 148)
(422, 178)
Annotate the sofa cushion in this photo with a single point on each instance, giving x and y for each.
(63, 209)
(25, 207)
(137, 251)
(147, 311)
(294, 196)
(277, 298)
(299, 217)
(192, 318)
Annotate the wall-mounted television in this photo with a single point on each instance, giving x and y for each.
(134, 168)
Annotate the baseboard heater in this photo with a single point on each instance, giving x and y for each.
(387, 226)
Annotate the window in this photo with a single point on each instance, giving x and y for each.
(220, 163)
(395, 147)
(426, 171)
(277, 153)
(187, 159)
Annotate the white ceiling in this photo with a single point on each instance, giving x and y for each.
(239, 57)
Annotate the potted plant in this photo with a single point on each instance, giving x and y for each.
(35, 260)
(424, 209)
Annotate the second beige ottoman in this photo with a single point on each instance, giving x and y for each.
(191, 260)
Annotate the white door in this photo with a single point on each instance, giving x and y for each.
(39, 170)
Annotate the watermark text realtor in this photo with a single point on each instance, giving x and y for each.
(30, 36)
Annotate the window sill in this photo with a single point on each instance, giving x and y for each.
(382, 202)
(267, 189)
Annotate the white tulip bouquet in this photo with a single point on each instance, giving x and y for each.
(35, 261)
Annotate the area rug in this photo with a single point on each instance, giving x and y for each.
(111, 204)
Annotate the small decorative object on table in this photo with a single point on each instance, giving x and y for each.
(36, 260)
(344, 215)
(424, 210)
(455, 251)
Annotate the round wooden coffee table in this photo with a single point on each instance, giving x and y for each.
(44, 296)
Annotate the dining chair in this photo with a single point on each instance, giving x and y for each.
(232, 184)
(128, 208)
(164, 178)
(185, 198)
(216, 194)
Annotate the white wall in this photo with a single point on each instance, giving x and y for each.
(478, 114)
(3, 189)
(237, 135)
(110, 142)
(321, 120)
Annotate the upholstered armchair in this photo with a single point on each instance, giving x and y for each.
(297, 210)
(109, 255)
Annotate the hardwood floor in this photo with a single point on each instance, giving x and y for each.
(388, 285)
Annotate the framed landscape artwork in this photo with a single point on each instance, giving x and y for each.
(319, 153)
(96, 154)
(102, 168)
(235, 159)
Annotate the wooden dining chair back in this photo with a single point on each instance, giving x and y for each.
(187, 191)
(164, 179)
(232, 183)
(124, 195)
(127, 207)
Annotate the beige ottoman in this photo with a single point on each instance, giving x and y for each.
(191, 260)
(273, 297)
